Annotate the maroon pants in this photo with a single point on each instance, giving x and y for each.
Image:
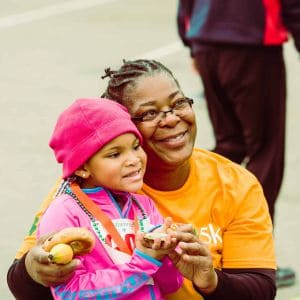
(245, 90)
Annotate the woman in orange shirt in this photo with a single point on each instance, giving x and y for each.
(232, 256)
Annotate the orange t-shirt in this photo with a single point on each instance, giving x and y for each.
(226, 205)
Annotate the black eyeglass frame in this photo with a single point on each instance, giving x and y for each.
(140, 119)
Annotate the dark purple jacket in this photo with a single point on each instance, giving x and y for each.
(247, 22)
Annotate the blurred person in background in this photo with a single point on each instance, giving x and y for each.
(236, 47)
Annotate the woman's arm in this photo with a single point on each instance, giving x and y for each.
(195, 263)
(22, 286)
(246, 284)
(19, 280)
(30, 276)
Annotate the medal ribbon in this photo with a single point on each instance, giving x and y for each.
(101, 216)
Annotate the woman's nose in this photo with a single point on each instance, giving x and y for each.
(169, 119)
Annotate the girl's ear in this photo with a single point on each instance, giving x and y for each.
(82, 172)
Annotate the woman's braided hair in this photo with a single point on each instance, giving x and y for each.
(124, 79)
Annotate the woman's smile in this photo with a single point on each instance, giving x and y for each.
(174, 141)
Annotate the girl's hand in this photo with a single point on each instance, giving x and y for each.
(158, 247)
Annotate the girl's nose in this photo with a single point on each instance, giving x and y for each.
(132, 159)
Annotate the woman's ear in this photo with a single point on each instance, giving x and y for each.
(82, 172)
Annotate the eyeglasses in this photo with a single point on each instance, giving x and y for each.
(180, 108)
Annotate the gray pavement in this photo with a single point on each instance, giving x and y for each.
(54, 51)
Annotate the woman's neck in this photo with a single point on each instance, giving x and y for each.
(167, 178)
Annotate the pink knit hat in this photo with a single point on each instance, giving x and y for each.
(85, 127)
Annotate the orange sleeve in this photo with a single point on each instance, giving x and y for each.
(30, 240)
(249, 234)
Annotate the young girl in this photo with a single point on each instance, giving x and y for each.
(103, 164)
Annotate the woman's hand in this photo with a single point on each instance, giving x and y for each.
(193, 259)
(42, 271)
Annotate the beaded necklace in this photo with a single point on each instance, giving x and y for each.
(65, 188)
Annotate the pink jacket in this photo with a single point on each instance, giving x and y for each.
(106, 273)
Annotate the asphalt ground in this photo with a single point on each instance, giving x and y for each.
(54, 51)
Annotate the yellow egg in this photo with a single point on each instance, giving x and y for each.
(61, 254)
